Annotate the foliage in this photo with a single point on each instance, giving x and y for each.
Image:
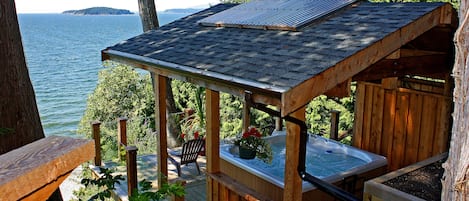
(191, 127)
(231, 112)
(252, 139)
(318, 114)
(101, 187)
(145, 193)
(121, 92)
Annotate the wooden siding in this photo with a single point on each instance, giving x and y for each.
(405, 125)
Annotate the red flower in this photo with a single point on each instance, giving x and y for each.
(183, 135)
(196, 135)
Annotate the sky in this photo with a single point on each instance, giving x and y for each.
(58, 6)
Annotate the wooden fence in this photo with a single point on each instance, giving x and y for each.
(406, 121)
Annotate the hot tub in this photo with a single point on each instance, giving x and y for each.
(326, 159)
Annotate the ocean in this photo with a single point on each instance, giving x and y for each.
(63, 55)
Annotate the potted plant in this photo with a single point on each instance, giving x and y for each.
(251, 145)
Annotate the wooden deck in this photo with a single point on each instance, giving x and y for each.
(146, 165)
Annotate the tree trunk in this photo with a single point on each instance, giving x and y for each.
(456, 176)
(149, 20)
(19, 117)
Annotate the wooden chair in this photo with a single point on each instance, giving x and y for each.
(189, 154)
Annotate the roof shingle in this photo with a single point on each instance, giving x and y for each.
(282, 59)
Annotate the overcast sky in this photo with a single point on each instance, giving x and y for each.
(58, 6)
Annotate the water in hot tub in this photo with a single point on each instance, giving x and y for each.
(321, 161)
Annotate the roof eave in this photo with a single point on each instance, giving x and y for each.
(261, 93)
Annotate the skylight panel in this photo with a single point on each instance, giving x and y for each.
(275, 14)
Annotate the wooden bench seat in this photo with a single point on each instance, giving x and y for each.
(35, 171)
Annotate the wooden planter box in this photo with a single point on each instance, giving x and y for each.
(375, 190)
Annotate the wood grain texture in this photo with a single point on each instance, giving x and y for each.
(292, 180)
(456, 183)
(34, 166)
(405, 125)
(213, 130)
(159, 87)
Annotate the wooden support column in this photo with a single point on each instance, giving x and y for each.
(293, 182)
(212, 139)
(159, 85)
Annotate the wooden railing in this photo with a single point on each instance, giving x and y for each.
(130, 153)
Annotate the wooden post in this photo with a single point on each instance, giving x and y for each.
(212, 108)
(131, 157)
(97, 142)
(334, 125)
(121, 135)
(292, 180)
(159, 86)
(278, 124)
(246, 114)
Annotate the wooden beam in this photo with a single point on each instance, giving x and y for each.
(390, 83)
(435, 66)
(264, 96)
(306, 91)
(35, 166)
(341, 90)
(159, 85)
(293, 183)
(47, 191)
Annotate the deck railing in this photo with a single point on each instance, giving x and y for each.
(130, 153)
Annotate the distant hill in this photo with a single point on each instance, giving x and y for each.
(182, 10)
(99, 11)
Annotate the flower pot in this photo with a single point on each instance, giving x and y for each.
(246, 153)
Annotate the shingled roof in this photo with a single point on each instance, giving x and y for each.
(279, 64)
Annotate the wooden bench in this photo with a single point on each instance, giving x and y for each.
(35, 171)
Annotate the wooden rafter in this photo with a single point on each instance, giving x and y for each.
(299, 96)
(435, 66)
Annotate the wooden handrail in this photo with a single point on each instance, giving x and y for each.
(34, 171)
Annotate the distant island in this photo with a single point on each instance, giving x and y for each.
(99, 11)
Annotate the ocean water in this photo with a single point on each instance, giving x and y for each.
(63, 55)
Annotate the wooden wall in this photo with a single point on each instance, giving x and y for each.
(406, 121)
